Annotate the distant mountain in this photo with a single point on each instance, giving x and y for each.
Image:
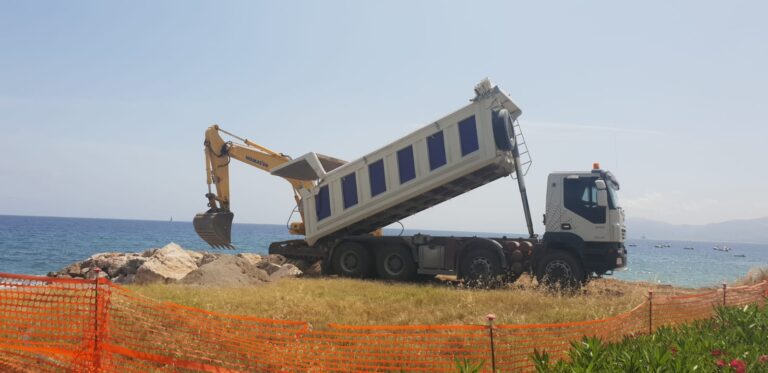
(748, 230)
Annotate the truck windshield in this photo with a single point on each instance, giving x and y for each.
(613, 199)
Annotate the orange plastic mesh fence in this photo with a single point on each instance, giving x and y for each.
(66, 325)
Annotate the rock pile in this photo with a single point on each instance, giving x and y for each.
(173, 264)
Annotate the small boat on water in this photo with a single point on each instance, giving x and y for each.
(721, 248)
(740, 255)
(632, 245)
(665, 244)
(688, 248)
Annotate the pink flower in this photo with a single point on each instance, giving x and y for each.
(738, 365)
(673, 349)
(763, 359)
(720, 363)
(717, 352)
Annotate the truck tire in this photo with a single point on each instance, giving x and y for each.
(559, 269)
(395, 263)
(351, 259)
(480, 267)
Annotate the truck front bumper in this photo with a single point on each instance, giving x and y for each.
(603, 257)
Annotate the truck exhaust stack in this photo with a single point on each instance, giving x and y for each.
(215, 228)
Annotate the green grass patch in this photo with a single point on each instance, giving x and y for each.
(735, 340)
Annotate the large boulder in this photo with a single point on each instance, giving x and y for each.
(169, 264)
(227, 270)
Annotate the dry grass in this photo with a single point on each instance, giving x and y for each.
(357, 302)
(754, 276)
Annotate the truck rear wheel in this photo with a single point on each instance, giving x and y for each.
(560, 269)
(395, 263)
(351, 259)
(480, 267)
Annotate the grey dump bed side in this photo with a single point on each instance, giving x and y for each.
(455, 154)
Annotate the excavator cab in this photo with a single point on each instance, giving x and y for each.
(215, 227)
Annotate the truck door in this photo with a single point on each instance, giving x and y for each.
(587, 219)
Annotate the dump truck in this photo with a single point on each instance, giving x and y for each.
(344, 205)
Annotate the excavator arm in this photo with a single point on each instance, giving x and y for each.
(214, 226)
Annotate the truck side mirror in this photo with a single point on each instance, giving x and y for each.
(602, 198)
(600, 184)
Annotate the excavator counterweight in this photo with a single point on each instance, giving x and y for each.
(215, 228)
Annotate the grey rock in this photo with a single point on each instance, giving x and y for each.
(73, 270)
(301, 264)
(207, 258)
(268, 267)
(111, 263)
(149, 252)
(315, 270)
(133, 264)
(252, 258)
(286, 270)
(124, 279)
(277, 259)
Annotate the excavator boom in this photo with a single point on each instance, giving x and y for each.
(215, 225)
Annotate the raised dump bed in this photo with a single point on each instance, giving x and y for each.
(446, 158)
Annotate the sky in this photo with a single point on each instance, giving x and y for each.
(103, 105)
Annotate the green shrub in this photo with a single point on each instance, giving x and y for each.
(467, 366)
(735, 340)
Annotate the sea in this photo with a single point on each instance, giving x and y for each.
(38, 245)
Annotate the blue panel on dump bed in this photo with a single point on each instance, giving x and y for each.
(349, 190)
(405, 164)
(376, 176)
(468, 136)
(436, 149)
(323, 203)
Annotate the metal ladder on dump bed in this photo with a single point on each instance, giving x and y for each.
(525, 155)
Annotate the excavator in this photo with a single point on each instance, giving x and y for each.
(215, 225)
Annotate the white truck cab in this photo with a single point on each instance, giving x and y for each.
(584, 218)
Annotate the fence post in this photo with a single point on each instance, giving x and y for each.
(725, 286)
(650, 311)
(490, 317)
(96, 343)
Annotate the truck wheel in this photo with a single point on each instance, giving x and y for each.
(352, 259)
(395, 263)
(560, 269)
(480, 267)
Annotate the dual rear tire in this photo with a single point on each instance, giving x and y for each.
(481, 266)
(392, 262)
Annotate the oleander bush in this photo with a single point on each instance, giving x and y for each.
(734, 340)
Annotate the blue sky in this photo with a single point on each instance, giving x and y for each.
(103, 104)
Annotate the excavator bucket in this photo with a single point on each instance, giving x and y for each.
(215, 228)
